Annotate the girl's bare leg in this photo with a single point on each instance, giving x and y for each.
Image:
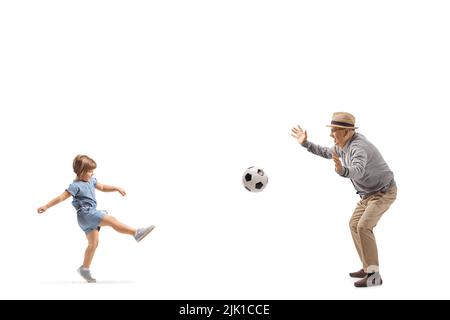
(112, 222)
(92, 238)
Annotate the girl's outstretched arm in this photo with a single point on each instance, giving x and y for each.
(63, 196)
(106, 188)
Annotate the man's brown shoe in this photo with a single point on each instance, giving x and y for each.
(358, 274)
(371, 280)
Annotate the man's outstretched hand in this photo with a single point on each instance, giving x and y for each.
(300, 135)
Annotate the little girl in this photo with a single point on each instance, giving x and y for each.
(89, 218)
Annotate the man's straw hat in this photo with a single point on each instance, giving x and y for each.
(343, 120)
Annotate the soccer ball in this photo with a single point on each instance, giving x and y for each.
(254, 179)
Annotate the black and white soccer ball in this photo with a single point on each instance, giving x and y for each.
(255, 179)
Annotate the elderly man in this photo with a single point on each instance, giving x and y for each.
(360, 161)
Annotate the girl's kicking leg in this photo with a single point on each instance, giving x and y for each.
(138, 234)
(112, 222)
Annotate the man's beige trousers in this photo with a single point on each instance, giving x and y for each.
(365, 217)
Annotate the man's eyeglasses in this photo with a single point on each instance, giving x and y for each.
(336, 129)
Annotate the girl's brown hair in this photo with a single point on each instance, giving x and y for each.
(82, 164)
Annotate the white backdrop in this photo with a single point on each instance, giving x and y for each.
(174, 99)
